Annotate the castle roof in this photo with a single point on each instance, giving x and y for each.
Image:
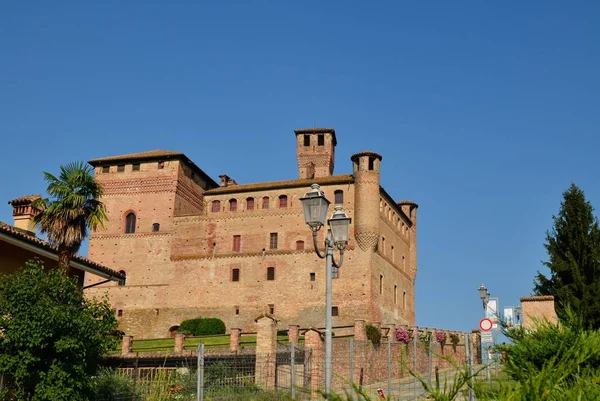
(304, 182)
(154, 155)
(302, 131)
(38, 246)
(24, 200)
(366, 153)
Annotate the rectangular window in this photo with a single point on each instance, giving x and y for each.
(339, 197)
(120, 313)
(250, 204)
(395, 294)
(321, 140)
(306, 140)
(271, 309)
(380, 284)
(270, 273)
(235, 274)
(161, 165)
(265, 202)
(371, 163)
(299, 245)
(237, 240)
(403, 299)
(313, 276)
(156, 227)
(237, 310)
(105, 169)
(135, 167)
(273, 241)
(120, 168)
(383, 246)
(335, 311)
(393, 254)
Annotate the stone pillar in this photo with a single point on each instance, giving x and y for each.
(266, 351)
(293, 333)
(234, 339)
(476, 340)
(313, 345)
(360, 330)
(179, 342)
(126, 345)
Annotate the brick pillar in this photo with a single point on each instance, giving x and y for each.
(234, 339)
(126, 345)
(293, 333)
(313, 345)
(179, 342)
(476, 339)
(266, 351)
(392, 332)
(360, 330)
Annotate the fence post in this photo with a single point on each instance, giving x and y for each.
(179, 342)
(200, 372)
(293, 369)
(430, 356)
(314, 343)
(415, 341)
(468, 362)
(126, 345)
(293, 333)
(234, 339)
(389, 365)
(266, 351)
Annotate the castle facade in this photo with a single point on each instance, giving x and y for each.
(190, 246)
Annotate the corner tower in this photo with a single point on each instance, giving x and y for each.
(315, 151)
(366, 168)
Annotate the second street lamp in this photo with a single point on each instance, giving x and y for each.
(315, 207)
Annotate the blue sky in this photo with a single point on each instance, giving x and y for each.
(484, 113)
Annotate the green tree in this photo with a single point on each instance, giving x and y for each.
(573, 247)
(52, 336)
(71, 209)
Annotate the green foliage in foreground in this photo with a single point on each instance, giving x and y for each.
(53, 337)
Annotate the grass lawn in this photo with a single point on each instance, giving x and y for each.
(191, 343)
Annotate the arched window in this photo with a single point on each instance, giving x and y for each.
(265, 202)
(130, 223)
(215, 206)
(283, 201)
(339, 197)
(299, 245)
(232, 205)
(249, 203)
(155, 227)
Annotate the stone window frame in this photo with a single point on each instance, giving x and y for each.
(127, 228)
(250, 203)
(273, 240)
(283, 201)
(232, 205)
(215, 206)
(265, 201)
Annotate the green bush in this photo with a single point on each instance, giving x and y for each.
(373, 334)
(202, 326)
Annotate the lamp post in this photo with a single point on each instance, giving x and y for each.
(485, 297)
(518, 313)
(315, 207)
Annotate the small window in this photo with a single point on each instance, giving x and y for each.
(235, 274)
(339, 197)
(250, 204)
(283, 201)
(383, 246)
(403, 299)
(155, 227)
(237, 310)
(265, 202)
(313, 276)
(371, 163)
(395, 294)
(237, 241)
(270, 273)
(135, 167)
(403, 262)
(232, 205)
(215, 206)
(161, 165)
(105, 169)
(380, 284)
(122, 283)
(393, 254)
(273, 241)
(299, 245)
(130, 223)
(321, 140)
(120, 168)
(120, 313)
(271, 309)
(306, 140)
(335, 311)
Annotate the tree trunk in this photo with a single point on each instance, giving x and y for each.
(64, 261)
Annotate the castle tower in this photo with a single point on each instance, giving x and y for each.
(410, 209)
(24, 213)
(315, 151)
(366, 168)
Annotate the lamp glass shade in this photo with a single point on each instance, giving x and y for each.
(340, 226)
(483, 294)
(315, 205)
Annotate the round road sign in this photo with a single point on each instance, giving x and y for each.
(485, 324)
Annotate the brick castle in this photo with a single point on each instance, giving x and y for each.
(193, 247)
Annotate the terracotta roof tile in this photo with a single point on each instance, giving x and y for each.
(13, 232)
(334, 179)
(538, 298)
(26, 199)
(151, 154)
(366, 153)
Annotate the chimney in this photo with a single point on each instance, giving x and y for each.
(24, 212)
(226, 180)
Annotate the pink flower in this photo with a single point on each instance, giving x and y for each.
(402, 335)
(440, 336)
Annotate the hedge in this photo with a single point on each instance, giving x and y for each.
(202, 326)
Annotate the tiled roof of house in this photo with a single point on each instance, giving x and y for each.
(304, 182)
(13, 232)
(24, 200)
(151, 154)
(538, 298)
(366, 153)
(331, 131)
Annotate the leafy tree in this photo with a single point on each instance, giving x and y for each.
(71, 209)
(52, 336)
(573, 247)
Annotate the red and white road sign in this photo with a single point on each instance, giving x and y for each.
(485, 324)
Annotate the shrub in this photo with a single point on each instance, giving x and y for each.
(402, 335)
(440, 337)
(202, 326)
(373, 334)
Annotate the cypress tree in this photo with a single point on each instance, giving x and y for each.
(573, 247)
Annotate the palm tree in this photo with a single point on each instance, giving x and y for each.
(70, 210)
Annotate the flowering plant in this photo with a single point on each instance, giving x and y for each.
(402, 335)
(440, 337)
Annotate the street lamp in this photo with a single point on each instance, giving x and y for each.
(485, 296)
(518, 312)
(315, 207)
